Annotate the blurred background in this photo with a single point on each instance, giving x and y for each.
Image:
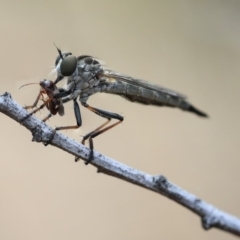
(192, 47)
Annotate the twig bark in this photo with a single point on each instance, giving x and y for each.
(210, 215)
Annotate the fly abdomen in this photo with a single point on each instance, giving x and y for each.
(143, 95)
(148, 96)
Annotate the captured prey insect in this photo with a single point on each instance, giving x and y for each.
(54, 105)
(87, 76)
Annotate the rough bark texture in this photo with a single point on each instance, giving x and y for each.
(210, 215)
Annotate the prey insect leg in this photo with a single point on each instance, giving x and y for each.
(100, 129)
(35, 103)
(37, 109)
(47, 117)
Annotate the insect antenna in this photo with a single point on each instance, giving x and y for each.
(27, 85)
(59, 51)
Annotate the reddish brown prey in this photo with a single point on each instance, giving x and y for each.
(54, 105)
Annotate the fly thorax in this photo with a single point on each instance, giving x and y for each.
(87, 76)
(83, 97)
(76, 73)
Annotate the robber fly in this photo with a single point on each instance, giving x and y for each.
(87, 76)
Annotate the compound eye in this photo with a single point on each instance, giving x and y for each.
(68, 65)
(64, 54)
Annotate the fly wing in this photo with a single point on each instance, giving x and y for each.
(140, 83)
(144, 92)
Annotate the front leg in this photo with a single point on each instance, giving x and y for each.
(78, 120)
(68, 93)
(62, 93)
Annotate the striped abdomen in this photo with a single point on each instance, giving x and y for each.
(149, 96)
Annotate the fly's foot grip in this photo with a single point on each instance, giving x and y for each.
(50, 139)
(90, 158)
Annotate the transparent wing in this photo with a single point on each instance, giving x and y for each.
(110, 75)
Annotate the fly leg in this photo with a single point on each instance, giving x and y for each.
(101, 129)
(78, 119)
(63, 93)
(91, 143)
(77, 116)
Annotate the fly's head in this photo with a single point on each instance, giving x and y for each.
(65, 64)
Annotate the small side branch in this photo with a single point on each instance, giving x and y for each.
(210, 215)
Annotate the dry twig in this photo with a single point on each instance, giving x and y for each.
(210, 215)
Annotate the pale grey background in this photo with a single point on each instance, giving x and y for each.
(192, 47)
